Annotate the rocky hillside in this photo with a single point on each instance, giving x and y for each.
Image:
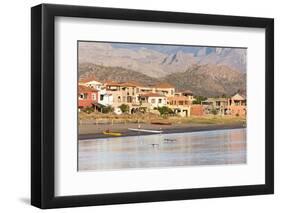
(209, 80)
(206, 80)
(119, 74)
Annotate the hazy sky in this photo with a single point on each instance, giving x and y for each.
(164, 48)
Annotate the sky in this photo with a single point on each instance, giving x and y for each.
(164, 48)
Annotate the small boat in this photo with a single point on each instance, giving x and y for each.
(112, 133)
(145, 130)
(170, 140)
(161, 123)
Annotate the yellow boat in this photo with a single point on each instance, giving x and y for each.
(112, 133)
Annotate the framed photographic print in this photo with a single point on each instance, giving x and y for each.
(139, 106)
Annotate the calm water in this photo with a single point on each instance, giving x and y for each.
(164, 150)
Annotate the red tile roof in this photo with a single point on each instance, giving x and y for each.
(122, 84)
(89, 79)
(187, 92)
(86, 89)
(135, 83)
(111, 83)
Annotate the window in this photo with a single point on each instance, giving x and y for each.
(159, 100)
(94, 96)
(153, 100)
(101, 97)
(81, 96)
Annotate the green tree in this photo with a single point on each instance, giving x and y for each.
(107, 109)
(124, 108)
(199, 99)
(164, 110)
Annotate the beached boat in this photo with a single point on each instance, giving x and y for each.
(112, 133)
(161, 123)
(146, 130)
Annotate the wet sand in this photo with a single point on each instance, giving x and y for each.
(92, 131)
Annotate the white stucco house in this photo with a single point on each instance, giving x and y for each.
(154, 99)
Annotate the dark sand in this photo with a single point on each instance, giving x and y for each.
(92, 131)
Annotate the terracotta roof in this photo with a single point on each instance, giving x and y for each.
(151, 94)
(91, 78)
(122, 84)
(111, 83)
(241, 92)
(238, 97)
(187, 92)
(163, 85)
(137, 84)
(86, 89)
(128, 84)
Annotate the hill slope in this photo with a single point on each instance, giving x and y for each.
(119, 74)
(206, 80)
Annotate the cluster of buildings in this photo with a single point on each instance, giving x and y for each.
(144, 98)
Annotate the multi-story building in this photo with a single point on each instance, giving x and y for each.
(180, 105)
(87, 96)
(186, 93)
(144, 98)
(91, 82)
(235, 105)
(164, 88)
(153, 100)
(122, 92)
(215, 105)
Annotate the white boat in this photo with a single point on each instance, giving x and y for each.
(145, 130)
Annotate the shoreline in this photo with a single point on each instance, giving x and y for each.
(165, 129)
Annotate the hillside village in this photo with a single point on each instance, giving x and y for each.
(162, 99)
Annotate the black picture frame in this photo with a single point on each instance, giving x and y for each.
(43, 102)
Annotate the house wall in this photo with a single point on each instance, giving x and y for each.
(94, 84)
(165, 91)
(238, 110)
(197, 110)
(89, 98)
(157, 102)
(107, 98)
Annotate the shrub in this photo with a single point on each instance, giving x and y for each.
(199, 99)
(107, 109)
(164, 110)
(124, 108)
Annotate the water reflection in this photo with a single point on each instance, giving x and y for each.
(164, 150)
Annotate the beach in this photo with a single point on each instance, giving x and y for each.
(92, 130)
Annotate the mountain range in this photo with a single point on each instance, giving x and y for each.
(207, 71)
(159, 60)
